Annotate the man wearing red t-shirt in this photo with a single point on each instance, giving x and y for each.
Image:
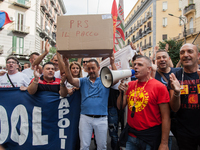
(148, 120)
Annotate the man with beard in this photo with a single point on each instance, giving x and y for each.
(185, 99)
(47, 82)
(94, 104)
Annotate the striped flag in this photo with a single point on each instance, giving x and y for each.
(4, 18)
(114, 15)
(119, 35)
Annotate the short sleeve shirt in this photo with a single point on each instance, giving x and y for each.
(94, 97)
(147, 111)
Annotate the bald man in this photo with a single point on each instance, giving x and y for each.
(185, 99)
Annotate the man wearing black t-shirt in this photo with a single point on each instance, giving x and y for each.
(185, 99)
(163, 70)
(162, 74)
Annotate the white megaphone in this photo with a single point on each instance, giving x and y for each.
(108, 77)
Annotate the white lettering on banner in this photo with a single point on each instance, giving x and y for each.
(19, 112)
(4, 130)
(63, 122)
(38, 138)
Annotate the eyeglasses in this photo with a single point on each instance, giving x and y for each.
(9, 62)
(85, 61)
(133, 112)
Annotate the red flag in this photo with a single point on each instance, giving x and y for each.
(114, 15)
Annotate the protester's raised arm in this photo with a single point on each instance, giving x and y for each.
(112, 62)
(70, 79)
(175, 101)
(41, 57)
(63, 89)
(32, 88)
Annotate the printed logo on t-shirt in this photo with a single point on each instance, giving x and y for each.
(198, 87)
(141, 102)
(184, 89)
(193, 99)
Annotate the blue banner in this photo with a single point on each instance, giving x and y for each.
(43, 121)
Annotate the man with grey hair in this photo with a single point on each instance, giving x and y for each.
(13, 78)
(185, 98)
(148, 120)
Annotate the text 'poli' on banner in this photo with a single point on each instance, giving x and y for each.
(38, 122)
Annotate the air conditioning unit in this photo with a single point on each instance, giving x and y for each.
(164, 25)
(179, 9)
(164, 9)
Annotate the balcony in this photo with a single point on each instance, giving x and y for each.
(188, 9)
(44, 6)
(50, 12)
(140, 36)
(191, 31)
(144, 33)
(148, 30)
(1, 49)
(52, 19)
(43, 33)
(21, 3)
(137, 38)
(149, 45)
(144, 20)
(19, 28)
(55, 8)
(149, 15)
(144, 47)
(53, 2)
(53, 41)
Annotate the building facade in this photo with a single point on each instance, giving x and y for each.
(149, 22)
(33, 22)
(191, 13)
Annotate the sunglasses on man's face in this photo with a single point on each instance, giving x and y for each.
(85, 61)
(133, 112)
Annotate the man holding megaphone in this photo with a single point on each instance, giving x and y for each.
(148, 120)
(94, 104)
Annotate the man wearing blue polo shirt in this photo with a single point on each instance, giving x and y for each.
(94, 104)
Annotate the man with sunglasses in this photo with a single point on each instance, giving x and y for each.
(13, 78)
(84, 69)
(148, 120)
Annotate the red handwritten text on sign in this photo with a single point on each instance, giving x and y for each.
(78, 33)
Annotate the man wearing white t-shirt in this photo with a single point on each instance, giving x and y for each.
(29, 71)
(17, 79)
(36, 59)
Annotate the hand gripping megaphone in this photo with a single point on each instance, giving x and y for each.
(108, 77)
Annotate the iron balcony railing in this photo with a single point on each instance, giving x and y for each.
(15, 27)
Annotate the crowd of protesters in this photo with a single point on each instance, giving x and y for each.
(162, 101)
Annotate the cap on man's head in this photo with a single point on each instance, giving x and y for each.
(14, 58)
